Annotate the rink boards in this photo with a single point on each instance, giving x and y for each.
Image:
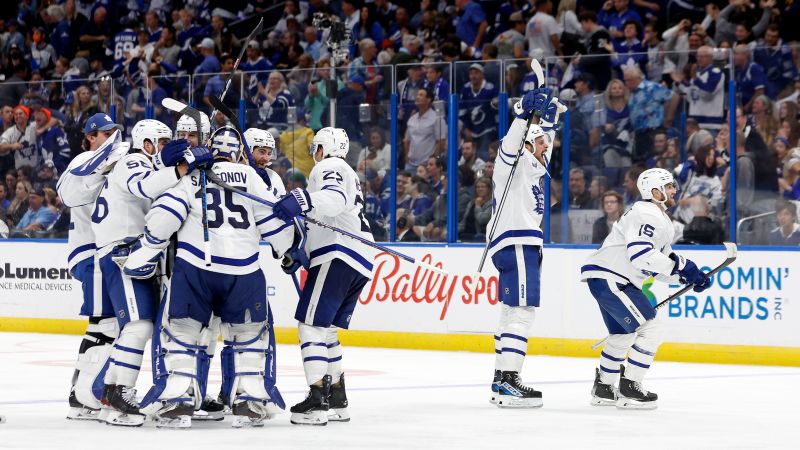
(750, 315)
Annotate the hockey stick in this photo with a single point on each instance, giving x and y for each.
(256, 31)
(537, 69)
(176, 106)
(227, 112)
(215, 179)
(731, 252)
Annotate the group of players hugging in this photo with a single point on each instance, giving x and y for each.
(138, 244)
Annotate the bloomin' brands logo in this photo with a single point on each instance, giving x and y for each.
(389, 283)
(739, 293)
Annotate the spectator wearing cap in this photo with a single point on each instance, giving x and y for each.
(472, 25)
(347, 103)
(295, 141)
(408, 89)
(788, 231)
(366, 67)
(750, 78)
(776, 57)
(651, 106)
(274, 100)
(52, 140)
(597, 60)
(21, 140)
(476, 109)
(511, 43)
(38, 217)
(297, 180)
(94, 33)
(216, 84)
(255, 62)
(425, 135)
(705, 91)
(614, 15)
(46, 176)
(311, 44)
(542, 30)
(210, 62)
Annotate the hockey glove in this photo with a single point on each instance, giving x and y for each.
(198, 157)
(551, 114)
(532, 101)
(293, 204)
(296, 255)
(689, 273)
(171, 154)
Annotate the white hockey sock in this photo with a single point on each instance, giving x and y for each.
(498, 347)
(643, 351)
(334, 354)
(314, 349)
(126, 358)
(514, 337)
(613, 355)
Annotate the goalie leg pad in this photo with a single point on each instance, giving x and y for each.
(643, 350)
(176, 352)
(208, 339)
(514, 336)
(93, 356)
(314, 348)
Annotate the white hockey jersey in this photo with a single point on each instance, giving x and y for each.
(637, 248)
(129, 190)
(520, 220)
(275, 185)
(235, 223)
(79, 194)
(336, 199)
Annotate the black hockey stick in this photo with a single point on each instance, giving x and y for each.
(179, 107)
(226, 111)
(731, 252)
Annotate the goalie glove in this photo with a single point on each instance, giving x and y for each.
(136, 260)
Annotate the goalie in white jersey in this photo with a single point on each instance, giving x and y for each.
(78, 188)
(232, 288)
(340, 268)
(638, 247)
(516, 244)
(154, 165)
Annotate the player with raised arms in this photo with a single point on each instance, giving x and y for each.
(340, 268)
(154, 165)
(638, 247)
(233, 288)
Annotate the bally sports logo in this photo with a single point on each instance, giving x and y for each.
(394, 281)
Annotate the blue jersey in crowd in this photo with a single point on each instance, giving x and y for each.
(749, 80)
(476, 110)
(778, 65)
(54, 146)
(124, 41)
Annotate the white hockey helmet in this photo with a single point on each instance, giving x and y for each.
(654, 179)
(226, 143)
(534, 131)
(255, 137)
(149, 130)
(334, 142)
(187, 124)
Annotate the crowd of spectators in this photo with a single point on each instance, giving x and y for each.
(646, 83)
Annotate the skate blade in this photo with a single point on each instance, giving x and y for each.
(246, 422)
(120, 419)
(318, 418)
(173, 423)
(507, 401)
(599, 401)
(83, 414)
(338, 415)
(629, 403)
(208, 416)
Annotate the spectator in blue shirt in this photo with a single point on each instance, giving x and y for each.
(53, 142)
(476, 111)
(39, 216)
(216, 84)
(188, 27)
(311, 42)
(750, 79)
(472, 25)
(788, 231)
(210, 62)
(651, 106)
(628, 51)
(4, 201)
(776, 58)
(615, 20)
(60, 37)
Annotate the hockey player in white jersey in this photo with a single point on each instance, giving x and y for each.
(262, 145)
(340, 267)
(516, 245)
(637, 248)
(78, 188)
(186, 128)
(232, 288)
(154, 165)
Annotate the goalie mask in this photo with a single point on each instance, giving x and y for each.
(149, 130)
(334, 142)
(226, 143)
(258, 139)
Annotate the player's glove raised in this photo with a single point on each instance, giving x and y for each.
(550, 114)
(689, 273)
(297, 202)
(532, 101)
(198, 157)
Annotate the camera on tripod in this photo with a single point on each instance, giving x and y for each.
(339, 37)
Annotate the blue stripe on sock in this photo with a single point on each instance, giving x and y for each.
(607, 356)
(332, 345)
(637, 363)
(315, 358)
(607, 370)
(307, 344)
(338, 358)
(498, 352)
(514, 336)
(642, 351)
(514, 350)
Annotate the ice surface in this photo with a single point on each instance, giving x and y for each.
(426, 399)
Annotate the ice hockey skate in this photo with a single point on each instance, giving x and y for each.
(602, 394)
(337, 400)
(314, 409)
(513, 394)
(495, 387)
(633, 396)
(79, 411)
(122, 409)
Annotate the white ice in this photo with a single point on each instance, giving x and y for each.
(426, 399)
